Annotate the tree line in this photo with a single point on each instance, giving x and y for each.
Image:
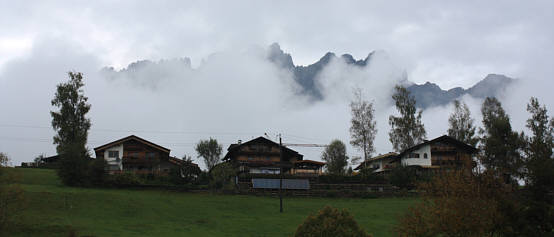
(76, 166)
(510, 190)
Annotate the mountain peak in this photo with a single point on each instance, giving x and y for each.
(278, 56)
(490, 85)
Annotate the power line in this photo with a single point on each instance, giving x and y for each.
(304, 145)
(93, 129)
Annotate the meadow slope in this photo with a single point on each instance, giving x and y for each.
(52, 210)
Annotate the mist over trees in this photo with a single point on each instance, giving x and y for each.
(335, 157)
(363, 125)
(492, 200)
(407, 130)
(461, 124)
(210, 150)
(71, 126)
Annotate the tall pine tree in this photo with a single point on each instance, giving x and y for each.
(539, 163)
(501, 148)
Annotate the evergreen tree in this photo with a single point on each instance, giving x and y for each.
(71, 125)
(406, 130)
(500, 146)
(461, 124)
(335, 157)
(540, 163)
(363, 128)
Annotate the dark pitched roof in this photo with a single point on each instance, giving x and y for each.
(234, 147)
(379, 157)
(310, 162)
(132, 137)
(177, 161)
(443, 138)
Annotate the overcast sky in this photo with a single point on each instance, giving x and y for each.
(451, 44)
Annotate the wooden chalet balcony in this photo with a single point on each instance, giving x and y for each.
(447, 162)
(139, 160)
(443, 149)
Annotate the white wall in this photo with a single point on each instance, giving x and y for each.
(418, 161)
(113, 161)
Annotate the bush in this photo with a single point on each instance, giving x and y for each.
(403, 177)
(222, 176)
(74, 166)
(125, 179)
(354, 179)
(457, 203)
(330, 222)
(187, 173)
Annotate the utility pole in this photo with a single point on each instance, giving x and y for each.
(281, 166)
(280, 175)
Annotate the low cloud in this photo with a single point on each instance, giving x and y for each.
(231, 95)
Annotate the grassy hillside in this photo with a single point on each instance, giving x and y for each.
(52, 209)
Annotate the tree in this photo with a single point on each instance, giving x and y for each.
(210, 150)
(457, 203)
(536, 208)
(406, 130)
(540, 164)
(186, 173)
(330, 222)
(4, 160)
(363, 126)
(39, 160)
(335, 157)
(500, 146)
(97, 171)
(461, 124)
(221, 176)
(71, 125)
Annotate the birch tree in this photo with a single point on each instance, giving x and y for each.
(363, 125)
(461, 124)
(407, 130)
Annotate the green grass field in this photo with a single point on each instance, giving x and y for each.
(52, 209)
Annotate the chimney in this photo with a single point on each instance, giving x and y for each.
(239, 142)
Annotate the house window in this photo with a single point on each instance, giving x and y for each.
(267, 158)
(250, 158)
(151, 155)
(113, 154)
(375, 166)
(134, 154)
(414, 155)
(425, 155)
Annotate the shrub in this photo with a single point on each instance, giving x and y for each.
(221, 176)
(456, 203)
(360, 178)
(125, 179)
(403, 177)
(330, 222)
